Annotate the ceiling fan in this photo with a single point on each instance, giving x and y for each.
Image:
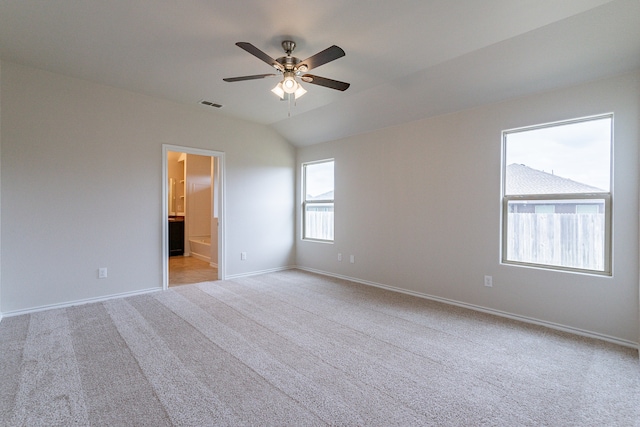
(291, 68)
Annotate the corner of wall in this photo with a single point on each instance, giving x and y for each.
(638, 135)
(0, 191)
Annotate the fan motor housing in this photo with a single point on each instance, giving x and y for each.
(288, 62)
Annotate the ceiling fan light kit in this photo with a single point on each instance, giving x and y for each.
(291, 68)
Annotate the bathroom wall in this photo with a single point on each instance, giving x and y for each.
(175, 171)
(198, 213)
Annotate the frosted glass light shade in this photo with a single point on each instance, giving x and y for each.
(300, 91)
(278, 90)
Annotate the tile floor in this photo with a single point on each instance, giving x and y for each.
(184, 270)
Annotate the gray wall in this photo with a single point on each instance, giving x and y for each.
(81, 174)
(419, 207)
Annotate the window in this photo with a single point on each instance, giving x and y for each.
(557, 195)
(317, 206)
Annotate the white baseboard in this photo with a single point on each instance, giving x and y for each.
(525, 319)
(256, 273)
(79, 302)
(200, 257)
(125, 294)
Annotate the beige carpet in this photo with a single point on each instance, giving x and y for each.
(298, 349)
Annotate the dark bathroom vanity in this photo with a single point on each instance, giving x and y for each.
(176, 235)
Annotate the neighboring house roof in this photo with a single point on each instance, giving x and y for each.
(324, 196)
(522, 179)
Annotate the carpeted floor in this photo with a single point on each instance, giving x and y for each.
(297, 349)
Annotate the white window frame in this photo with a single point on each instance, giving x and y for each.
(606, 196)
(306, 203)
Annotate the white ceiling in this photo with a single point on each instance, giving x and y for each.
(405, 59)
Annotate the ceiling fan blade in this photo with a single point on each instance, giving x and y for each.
(329, 54)
(254, 77)
(323, 81)
(260, 55)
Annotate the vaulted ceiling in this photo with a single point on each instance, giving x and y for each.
(405, 59)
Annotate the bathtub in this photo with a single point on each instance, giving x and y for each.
(200, 247)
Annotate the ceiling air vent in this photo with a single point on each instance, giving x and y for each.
(210, 104)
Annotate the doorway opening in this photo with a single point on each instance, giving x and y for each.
(192, 215)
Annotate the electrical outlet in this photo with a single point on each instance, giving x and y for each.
(243, 256)
(488, 281)
(339, 257)
(352, 259)
(102, 273)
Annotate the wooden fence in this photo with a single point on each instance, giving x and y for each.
(319, 224)
(569, 240)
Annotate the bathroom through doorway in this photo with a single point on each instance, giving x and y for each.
(193, 231)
